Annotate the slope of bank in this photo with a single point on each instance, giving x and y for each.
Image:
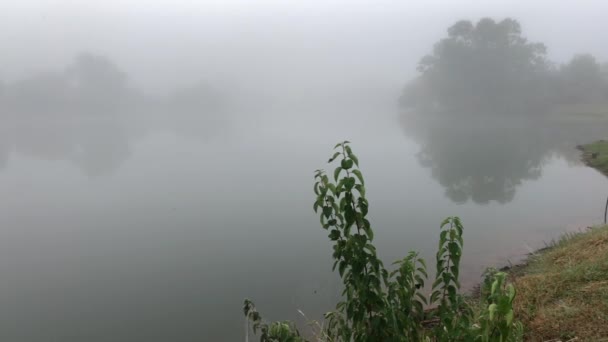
(596, 155)
(562, 291)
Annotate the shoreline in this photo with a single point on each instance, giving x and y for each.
(562, 288)
(595, 155)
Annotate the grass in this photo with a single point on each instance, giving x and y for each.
(562, 291)
(596, 155)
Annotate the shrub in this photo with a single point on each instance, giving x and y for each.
(379, 305)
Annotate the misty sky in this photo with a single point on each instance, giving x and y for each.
(269, 46)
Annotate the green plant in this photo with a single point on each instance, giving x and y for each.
(454, 313)
(284, 331)
(379, 305)
(496, 322)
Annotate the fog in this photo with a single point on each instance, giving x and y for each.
(157, 157)
(285, 47)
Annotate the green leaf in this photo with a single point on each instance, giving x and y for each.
(361, 189)
(359, 176)
(322, 217)
(494, 286)
(454, 249)
(327, 211)
(446, 277)
(349, 183)
(442, 237)
(363, 206)
(349, 215)
(354, 158)
(334, 157)
(435, 296)
(332, 188)
(335, 206)
(492, 310)
(440, 265)
(324, 179)
(451, 291)
(454, 270)
(437, 281)
(346, 164)
(369, 232)
(511, 291)
(337, 173)
(370, 248)
(422, 298)
(509, 317)
(348, 150)
(338, 145)
(342, 267)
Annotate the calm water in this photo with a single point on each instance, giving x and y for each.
(155, 229)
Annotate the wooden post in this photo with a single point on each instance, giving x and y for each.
(606, 210)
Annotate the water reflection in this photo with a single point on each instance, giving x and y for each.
(96, 147)
(485, 158)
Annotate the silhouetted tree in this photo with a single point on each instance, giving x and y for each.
(96, 82)
(90, 84)
(488, 65)
(582, 80)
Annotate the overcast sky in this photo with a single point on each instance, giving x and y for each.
(271, 44)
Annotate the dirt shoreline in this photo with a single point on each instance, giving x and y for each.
(595, 155)
(562, 289)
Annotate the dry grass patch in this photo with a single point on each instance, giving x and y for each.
(563, 291)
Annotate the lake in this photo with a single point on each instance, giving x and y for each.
(155, 228)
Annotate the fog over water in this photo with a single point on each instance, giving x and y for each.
(157, 157)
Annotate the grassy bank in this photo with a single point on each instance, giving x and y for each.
(596, 155)
(562, 291)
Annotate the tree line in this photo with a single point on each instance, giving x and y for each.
(489, 66)
(93, 83)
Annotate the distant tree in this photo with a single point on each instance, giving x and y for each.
(96, 82)
(44, 92)
(89, 84)
(488, 65)
(582, 80)
(418, 93)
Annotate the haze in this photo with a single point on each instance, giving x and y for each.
(282, 47)
(157, 157)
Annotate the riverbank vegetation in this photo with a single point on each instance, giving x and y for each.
(563, 290)
(388, 304)
(596, 155)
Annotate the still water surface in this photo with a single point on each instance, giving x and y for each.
(141, 229)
